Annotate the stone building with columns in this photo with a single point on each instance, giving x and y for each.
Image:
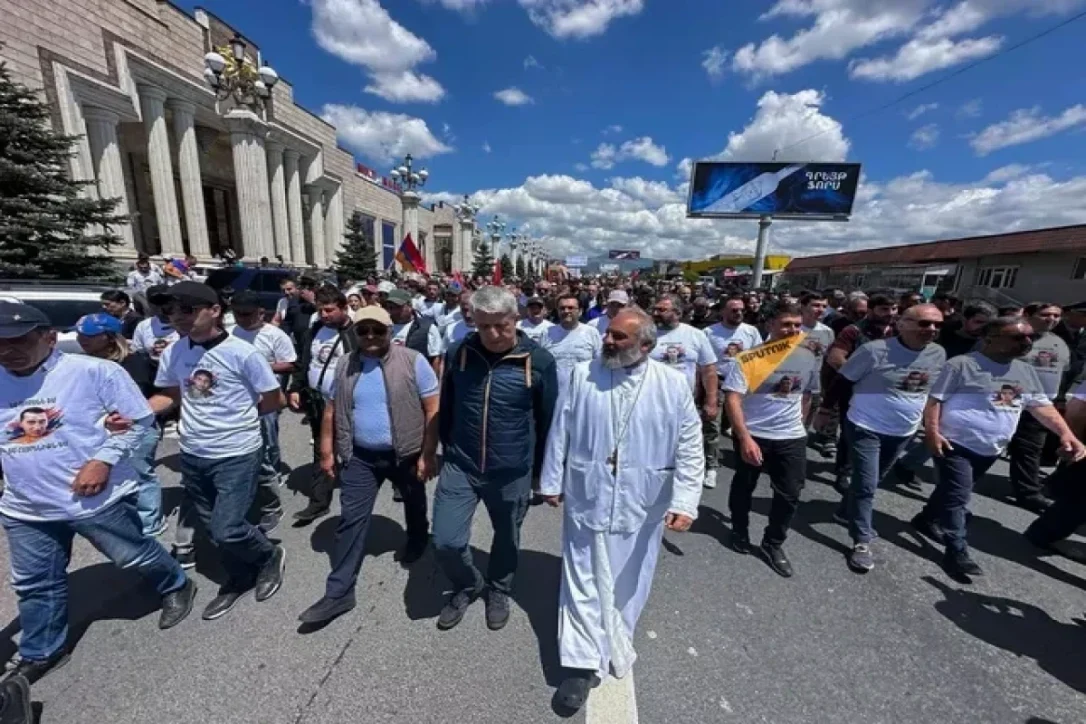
(126, 77)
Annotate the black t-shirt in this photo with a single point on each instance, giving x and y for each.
(129, 322)
(956, 344)
(141, 368)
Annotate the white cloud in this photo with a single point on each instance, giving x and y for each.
(1006, 173)
(970, 109)
(531, 62)
(653, 194)
(921, 110)
(486, 147)
(793, 124)
(919, 57)
(1026, 125)
(579, 18)
(713, 61)
(612, 129)
(924, 137)
(644, 149)
(381, 136)
(463, 6)
(362, 32)
(582, 167)
(513, 96)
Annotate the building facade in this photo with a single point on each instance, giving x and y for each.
(126, 77)
(1015, 268)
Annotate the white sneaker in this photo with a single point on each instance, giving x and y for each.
(710, 478)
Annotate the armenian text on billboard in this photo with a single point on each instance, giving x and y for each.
(720, 189)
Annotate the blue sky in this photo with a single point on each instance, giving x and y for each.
(615, 94)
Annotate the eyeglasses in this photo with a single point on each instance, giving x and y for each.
(928, 324)
(372, 330)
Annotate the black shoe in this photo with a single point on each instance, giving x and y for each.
(177, 605)
(574, 689)
(841, 483)
(33, 670)
(1034, 503)
(926, 527)
(536, 499)
(497, 610)
(414, 550)
(455, 609)
(327, 609)
(270, 577)
(958, 564)
(270, 521)
(226, 599)
(185, 559)
(15, 705)
(777, 560)
(1035, 536)
(740, 542)
(311, 512)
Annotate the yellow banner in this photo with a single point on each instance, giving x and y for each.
(759, 363)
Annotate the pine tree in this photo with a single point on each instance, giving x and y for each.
(48, 229)
(483, 263)
(520, 268)
(507, 267)
(357, 259)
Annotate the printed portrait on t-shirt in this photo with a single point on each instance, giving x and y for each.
(324, 353)
(1008, 396)
(200, 385)
(733, 348)
(915, 381)
(675, 354)
(33, 425)
(786, 385)
(159, 347)
(1045, 358)
(815, 347)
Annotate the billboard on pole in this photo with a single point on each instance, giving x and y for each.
(576, 262)
(627, 254)
(806, 191)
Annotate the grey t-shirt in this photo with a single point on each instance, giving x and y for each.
(892, 384)
(984, 399)
(775, 410)
(1050, 359)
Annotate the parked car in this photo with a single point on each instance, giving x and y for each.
(63, 303)
(264, 281)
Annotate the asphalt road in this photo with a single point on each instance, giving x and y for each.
(724, 639)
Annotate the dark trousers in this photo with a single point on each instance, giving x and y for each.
(842, 463)
(457, 496)
(786, 463)
(1025, 450)
(1069, 511)
(956, 472)
(360, 481)
(320, 493)
(222, 491)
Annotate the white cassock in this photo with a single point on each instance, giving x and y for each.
(614, 522)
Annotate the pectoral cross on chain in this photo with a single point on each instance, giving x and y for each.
(613, 462)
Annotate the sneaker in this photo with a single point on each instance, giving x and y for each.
(958, 564)
(414, 550)
(15, 704)
(162, 526)
(710, 478)
(574, 689)
(860, 558)
(270, 577)
(177, 605)
(327, 609)
(497, 610)
(222, 604)
(270, 521)
(1034, 503)
(455, 609)
(185, 559)
(33, 670)
(777, 560)
(740, 542)
(311, 512)
(927, 528)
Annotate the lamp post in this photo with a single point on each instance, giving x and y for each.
(410, 182)
(496, 227)
(466, 211)
(233, 76)
(514, 246)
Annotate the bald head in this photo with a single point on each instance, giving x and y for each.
(919, 325)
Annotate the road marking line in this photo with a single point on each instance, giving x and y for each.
(612, 702)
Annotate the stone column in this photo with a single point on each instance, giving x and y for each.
(333, 224)
(192, 190)
(294, 207)
(410, 217)
(108, 168)
(278, 190)
(247, 134)
(152, 106)
(316, 225)
(466, 255)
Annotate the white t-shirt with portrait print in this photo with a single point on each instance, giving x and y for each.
(534, 330)
(730, 341)
(1050, 358)
(52, 424)
(153, 336)
(270, 341)
(570, 347)
(818, 339)
(434, 344)
(220, 391)
(774, 411)
(325, 349)
(684, 348)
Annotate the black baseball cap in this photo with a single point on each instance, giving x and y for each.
(534, 300)
(245, 299)
(192, 293)
(18, 319)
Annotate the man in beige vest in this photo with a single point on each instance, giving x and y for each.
(380, 424)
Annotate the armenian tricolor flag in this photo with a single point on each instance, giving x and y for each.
(409, 257)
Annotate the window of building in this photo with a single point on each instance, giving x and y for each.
(1080, 269)
(997, 277)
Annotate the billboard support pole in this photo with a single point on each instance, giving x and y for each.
(759, 251)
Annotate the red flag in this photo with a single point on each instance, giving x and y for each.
(409, 256)
(497, 281)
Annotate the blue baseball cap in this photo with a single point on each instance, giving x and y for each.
(93, 325)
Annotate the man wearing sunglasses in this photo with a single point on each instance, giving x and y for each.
(971, 416)
(380, 424)
(888, 382)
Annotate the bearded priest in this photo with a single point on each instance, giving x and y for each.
(625, 458)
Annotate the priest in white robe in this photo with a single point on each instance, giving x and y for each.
(625, 458)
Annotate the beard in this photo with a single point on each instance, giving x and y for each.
(622, 358)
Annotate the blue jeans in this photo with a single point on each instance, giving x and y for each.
(956, 473)
(41, 551)
(916, 454)
(221, 491)
(872, 456)
(455, 501)
(267, 483)
(149, 492)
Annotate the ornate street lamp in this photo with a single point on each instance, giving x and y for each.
(409, 179)
(466, 210)
(495, 227)
(231, 75)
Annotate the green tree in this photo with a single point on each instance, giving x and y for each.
(48, 229)
(507, 267)
(483, 263)
(521, 270)
(358, 257)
